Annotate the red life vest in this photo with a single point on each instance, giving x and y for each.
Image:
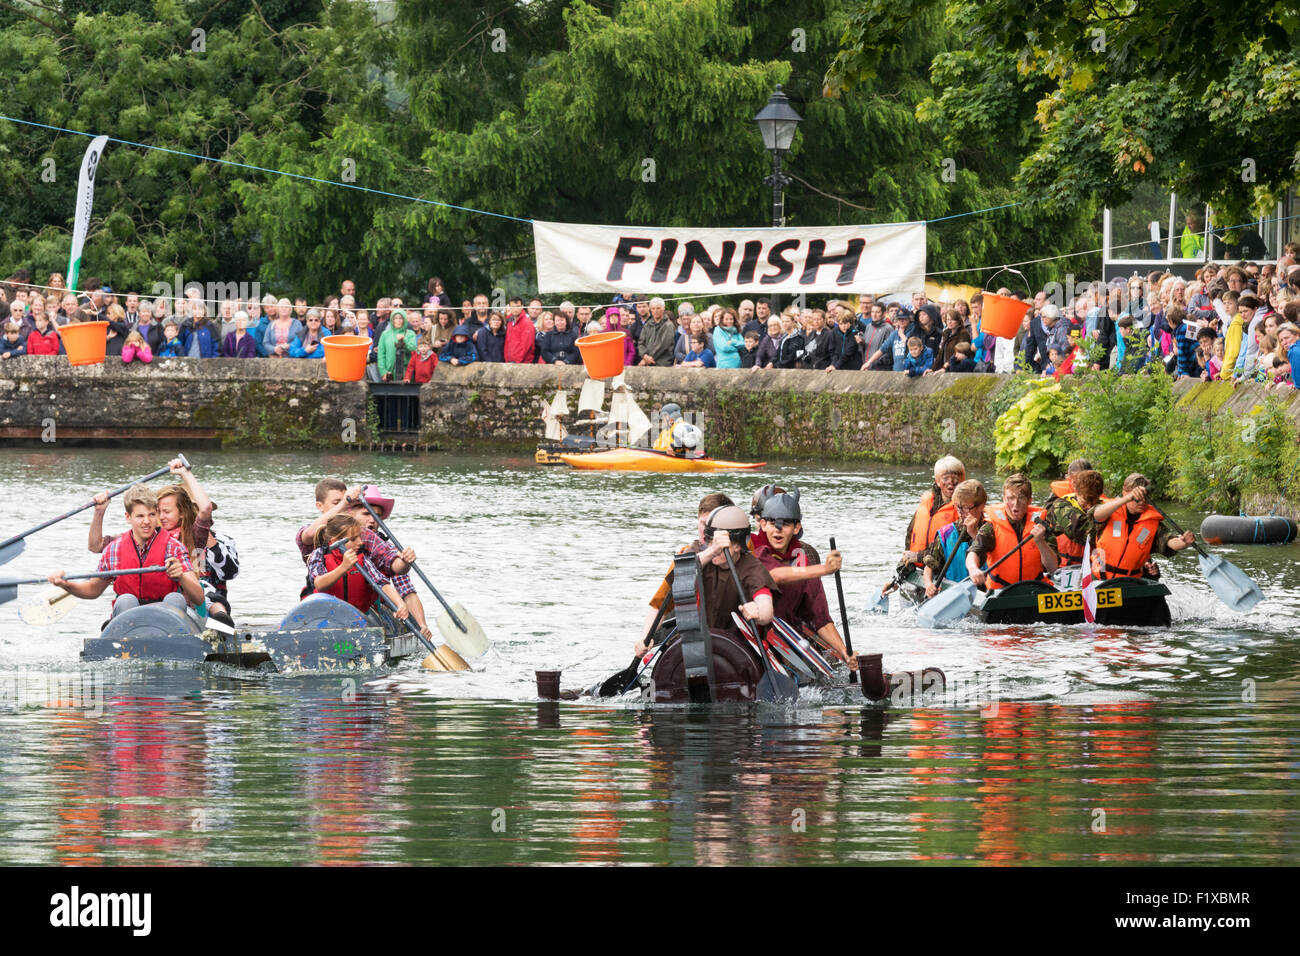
(1126, 547)
(1025, 565)
(148, 588)
(926, 525)
(352, 587)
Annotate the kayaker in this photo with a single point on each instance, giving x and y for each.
(968, 501)
(727, 527)
(334, 571)
(669, 416)
(934, 510)
(1129, 531)
(383, 506)
(797, 570)
(1009, 520)
(145, 545)
(1067, 516)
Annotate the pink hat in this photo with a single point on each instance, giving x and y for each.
(383, 505)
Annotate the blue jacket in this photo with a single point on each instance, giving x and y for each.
(918, 366)
(463, 352)
(948, 536)
(174, 348)
(1186, 346)
(706, 356)
(298, 350)
(258, 332)
(202, 342)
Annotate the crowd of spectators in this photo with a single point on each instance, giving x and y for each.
(1233, 322)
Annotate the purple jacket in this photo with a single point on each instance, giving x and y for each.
(247, 347)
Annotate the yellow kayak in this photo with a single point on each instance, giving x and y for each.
(638, 459)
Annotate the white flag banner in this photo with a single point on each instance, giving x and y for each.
(85, 199)
(572, 257)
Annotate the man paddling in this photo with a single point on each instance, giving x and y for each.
(797, 569)
(725, 530)
(708, 504)
(1129, 531)
(146, 545)
(1009, 521)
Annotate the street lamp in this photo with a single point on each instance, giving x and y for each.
(777, 122)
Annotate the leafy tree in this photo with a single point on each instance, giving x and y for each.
(1098, 98)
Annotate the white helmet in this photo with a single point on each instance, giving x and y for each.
(686, 435)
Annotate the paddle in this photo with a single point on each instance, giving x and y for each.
(955, 602)
(474, 642)
(9, 586)
(448, 661)
(844, 616)
(771, 686)
(1233, 586)
(621, 681)
(12, 547)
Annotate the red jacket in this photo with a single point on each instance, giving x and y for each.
(420, 370)
(352, 587)
(47, 344)
(521, 340)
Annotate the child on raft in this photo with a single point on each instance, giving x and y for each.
(145, 545)
(797, 570)
(1129, 531)
(331, 570)
(383, 507)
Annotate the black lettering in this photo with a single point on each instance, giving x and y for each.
(625, 255)
(695, 254)
(847, 261)
(775, 258)
(666, 253)
(745, 275)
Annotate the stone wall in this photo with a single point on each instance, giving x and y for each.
(234, 402)
(747, 415)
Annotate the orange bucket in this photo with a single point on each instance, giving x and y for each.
(602, 353)
(345, 357)
(1002, 315)
(85, 342)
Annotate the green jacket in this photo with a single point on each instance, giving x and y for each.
(657, 340)
(386, 351)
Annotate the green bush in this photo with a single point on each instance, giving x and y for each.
(1221, 458)
(1034, 434)
(1125, 423)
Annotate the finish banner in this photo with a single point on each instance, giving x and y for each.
(666, 261)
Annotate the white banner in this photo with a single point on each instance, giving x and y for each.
(884, 258)
(85, 199)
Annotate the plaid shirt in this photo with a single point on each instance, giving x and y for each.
(316, 567)
(376, 548)
(108, 559)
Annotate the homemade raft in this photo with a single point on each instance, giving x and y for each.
(321, 633)
(1122, 602)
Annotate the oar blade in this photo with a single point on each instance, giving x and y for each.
(11, 551)
(8, 592)
(880, 605)
(470, 643)
(1233, 586)
(49, 608)
(948, 606)
(777, 688)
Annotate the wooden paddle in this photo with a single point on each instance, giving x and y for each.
(1233, 586)
(772, 686)
(844, 617)
(445, 657)
(955, 602)
(12, 547)
(468, 640)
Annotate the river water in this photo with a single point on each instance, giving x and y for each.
(1053, 745)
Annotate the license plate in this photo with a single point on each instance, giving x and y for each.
(1062, 601)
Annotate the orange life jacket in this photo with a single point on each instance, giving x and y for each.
(1025, 565)
(352, 587)
(148, 588)
(1062, 487)
(926, 525)
(1126, 547)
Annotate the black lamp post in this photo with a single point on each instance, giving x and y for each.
(777, 122)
